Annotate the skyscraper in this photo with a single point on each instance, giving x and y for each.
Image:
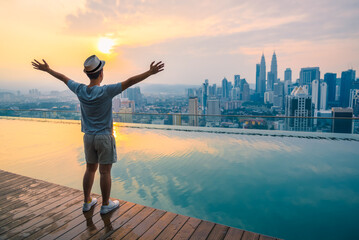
(237, 79)
(273, 67)
(315, 93)
(213, 109)
(258, 67)
(270, 81)
(225, 88)
(307, 75)
(205, 91)
(323, 96)
(354, 101)
(262, 76)
(278, 100)
(330, 79)
(288, 75)
(193, 110)
(299, 104)
(347, 80)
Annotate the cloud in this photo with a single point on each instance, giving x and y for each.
(201, 37)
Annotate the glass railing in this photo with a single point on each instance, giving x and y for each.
(303, 124)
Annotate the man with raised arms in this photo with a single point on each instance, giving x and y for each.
(96, 123)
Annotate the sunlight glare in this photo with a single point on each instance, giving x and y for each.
(105, 45)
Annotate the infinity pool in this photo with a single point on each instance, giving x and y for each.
(292, 187)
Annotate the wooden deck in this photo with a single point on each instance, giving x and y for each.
(35, 209)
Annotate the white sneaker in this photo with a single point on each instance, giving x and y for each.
(87, 206)
(111, 206)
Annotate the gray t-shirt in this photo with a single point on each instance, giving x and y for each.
(96, 106)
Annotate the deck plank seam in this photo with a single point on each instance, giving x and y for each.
(163, 228)
(149, 226)
(195, 229)
(211, 230)
(153, 209)
(181, 227)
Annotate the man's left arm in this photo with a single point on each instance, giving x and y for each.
(46, 68)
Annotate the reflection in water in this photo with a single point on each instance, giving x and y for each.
(272, 185)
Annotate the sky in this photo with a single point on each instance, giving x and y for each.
(196, 40)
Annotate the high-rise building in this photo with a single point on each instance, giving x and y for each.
(354, 101)
(213, 109)
(347, 80)
(307, 75)
(258, 68)
(288, 75)
(278, 98)
(237, 80)
(315, 94)
(212, 90)
(204, 96)
(262, 76)
(323, 96)
(331, 80)
(270, 81)
(273, 67)
(268, 97)
(299, 104)
(193, 111)
(342, 125)
(245, 92)
(225, 88)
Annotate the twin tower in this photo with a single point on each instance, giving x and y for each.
(261, 78)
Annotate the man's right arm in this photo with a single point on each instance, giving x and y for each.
(45, 67)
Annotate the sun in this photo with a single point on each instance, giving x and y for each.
(105, 45)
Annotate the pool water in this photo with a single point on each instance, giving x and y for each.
(289, 187)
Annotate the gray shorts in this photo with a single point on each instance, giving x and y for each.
(100, 149)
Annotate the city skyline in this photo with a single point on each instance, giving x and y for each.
(197, 40)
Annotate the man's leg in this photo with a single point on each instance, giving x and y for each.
(88, 180)
(105, 182)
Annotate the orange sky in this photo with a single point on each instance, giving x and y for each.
(197, 39)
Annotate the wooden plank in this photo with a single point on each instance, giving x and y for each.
(250, 236)
(25, 203)
(234, 234)
(82, 226)
(168, 231)
(67, 202)
(105, 221)
(132, 223)
(264, 237)
(117, 222)
(141, 228)
(202, 231)
(4, 176)
(25, 193)
(188, 228)
(70, 221)
(15, 184)
(25, 215)
(218, 233)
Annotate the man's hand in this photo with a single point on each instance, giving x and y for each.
(155, 68)
(45, 67)
(39, 66)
